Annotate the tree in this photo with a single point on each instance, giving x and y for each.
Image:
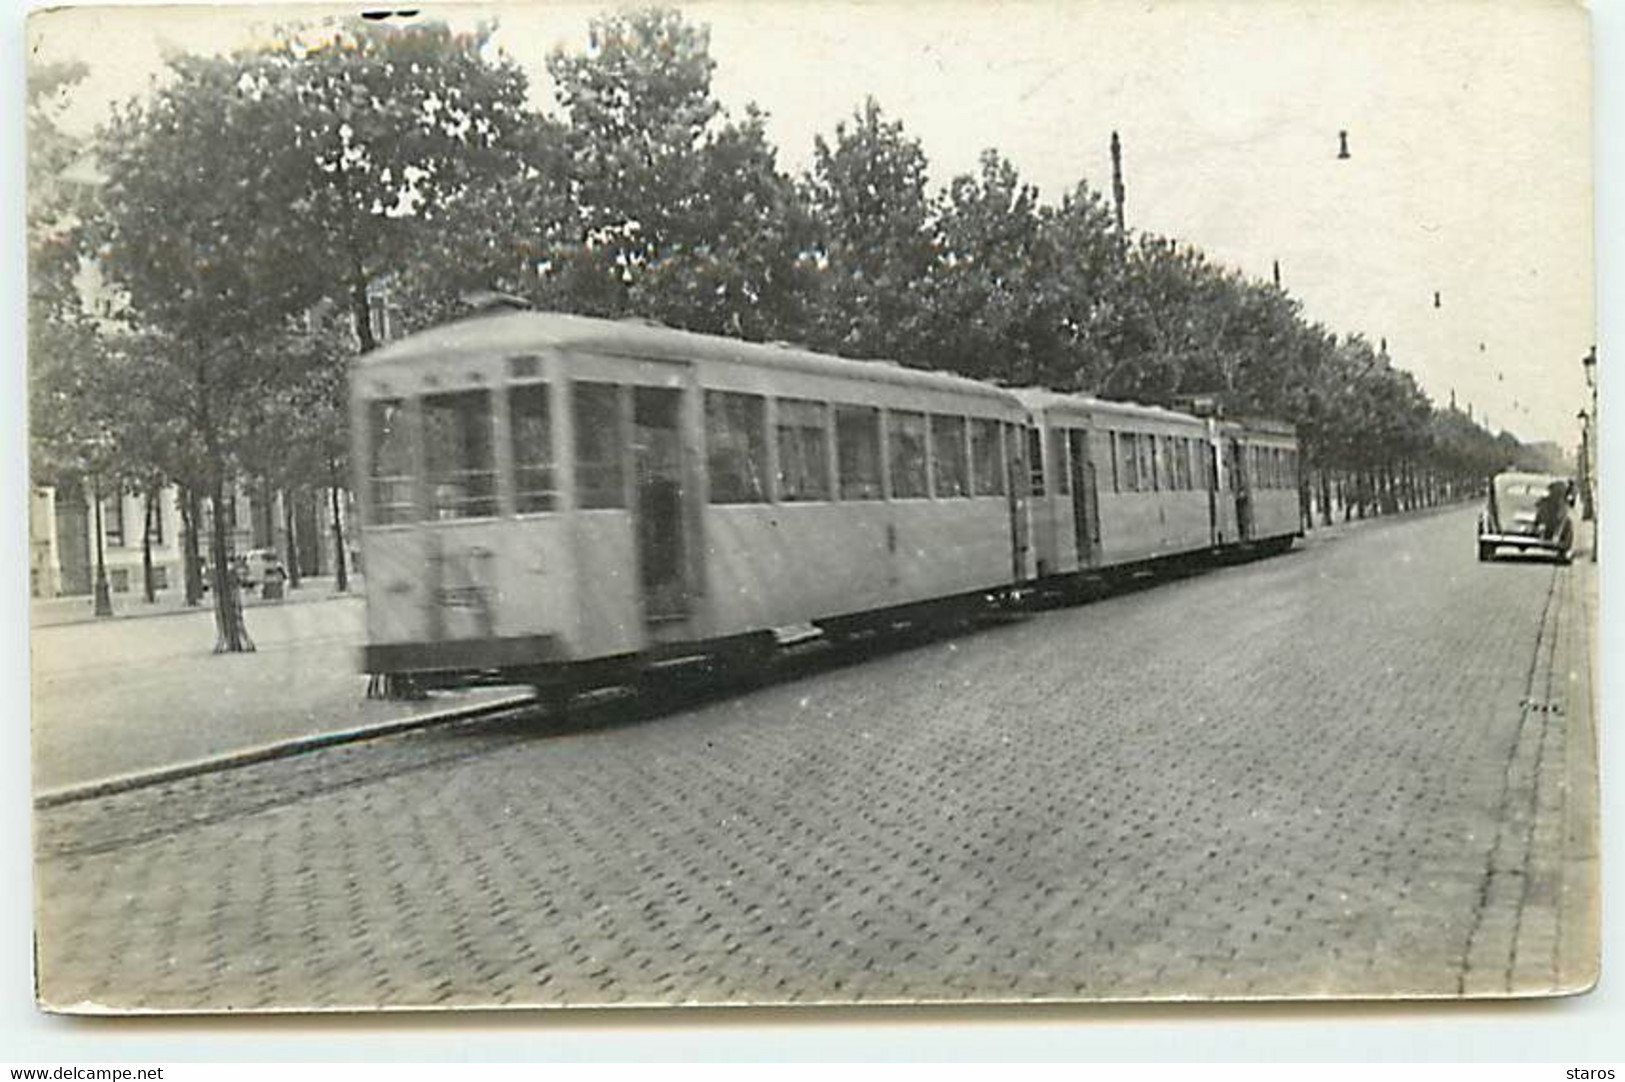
(382, 141)
(994, 309)
(874, 243)
(680, 213)
(350, 145)
(61, 336)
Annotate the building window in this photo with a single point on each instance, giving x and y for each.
(458, 455)
(113, 521)
(906, 441)
(948, 456)
(390, 461)
(736, 446)
(120, 577)
(857, 443)
(1060, 462)
(155, 520)
(987, 465)
(597, 416)
(530, 431)
(160, 577)
(803, 429)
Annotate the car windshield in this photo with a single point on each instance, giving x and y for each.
(1525, 492)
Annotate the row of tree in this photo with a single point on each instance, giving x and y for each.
(247, 212)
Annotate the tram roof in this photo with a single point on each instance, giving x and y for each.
(521, 331)
(1043, 398)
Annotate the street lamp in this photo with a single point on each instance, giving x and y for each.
(104, 597)
(1588, 449)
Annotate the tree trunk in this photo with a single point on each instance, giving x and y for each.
(150, 508)
(267, 510)
(231, 636)
(341, 574)
(192, 573)
(361, 311)
(292, 538)
(1325, 497)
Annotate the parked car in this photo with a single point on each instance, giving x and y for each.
(257, 566)
(1528, 511)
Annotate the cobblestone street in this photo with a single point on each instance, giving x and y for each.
(1358, 769)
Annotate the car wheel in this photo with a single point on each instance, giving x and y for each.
(1486, 552)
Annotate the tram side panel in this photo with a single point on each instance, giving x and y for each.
(1273, 471)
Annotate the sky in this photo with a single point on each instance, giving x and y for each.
(1468, 127)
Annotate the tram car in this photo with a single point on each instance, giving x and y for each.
(1263, 480)
(548, 498)
(1118, 484)
(566, 501)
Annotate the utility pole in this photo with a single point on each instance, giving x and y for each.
(1277, 273)
(1117, 189)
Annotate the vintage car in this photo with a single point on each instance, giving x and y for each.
(1527, 511)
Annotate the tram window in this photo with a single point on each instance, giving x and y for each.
(948, 456)
(1165, 446)
(1035, 460)
(1148, 463)
(987, 469)
(1130, 454)
(906, 440)
(598, 437)
(803, 450)
(389, 457)
(530, 426)
(458, 455)
(857, 442)
(1058, 460)
(736, 446)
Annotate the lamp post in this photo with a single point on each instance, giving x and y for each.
(104, 597)
(1585, 465)
(1588, 450)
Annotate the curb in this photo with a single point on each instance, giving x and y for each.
(281, 749)
(1340, 527)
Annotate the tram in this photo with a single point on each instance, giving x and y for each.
(564, 501)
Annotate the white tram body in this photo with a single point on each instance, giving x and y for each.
(544, 491)
(1264, 480)
(1124, 484)
(1121, 483)
(551, 499)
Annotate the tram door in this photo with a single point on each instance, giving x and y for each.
(1244, 497)
(1210, 470)
(657, 462)
(1018, 481)
(1085, 497)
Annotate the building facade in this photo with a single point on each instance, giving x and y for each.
(63, 536)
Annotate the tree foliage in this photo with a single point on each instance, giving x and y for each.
(256, 205)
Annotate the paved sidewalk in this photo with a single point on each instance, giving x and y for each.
(118, 696)
(56, 611)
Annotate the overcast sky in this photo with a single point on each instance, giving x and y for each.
(1469, 127)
